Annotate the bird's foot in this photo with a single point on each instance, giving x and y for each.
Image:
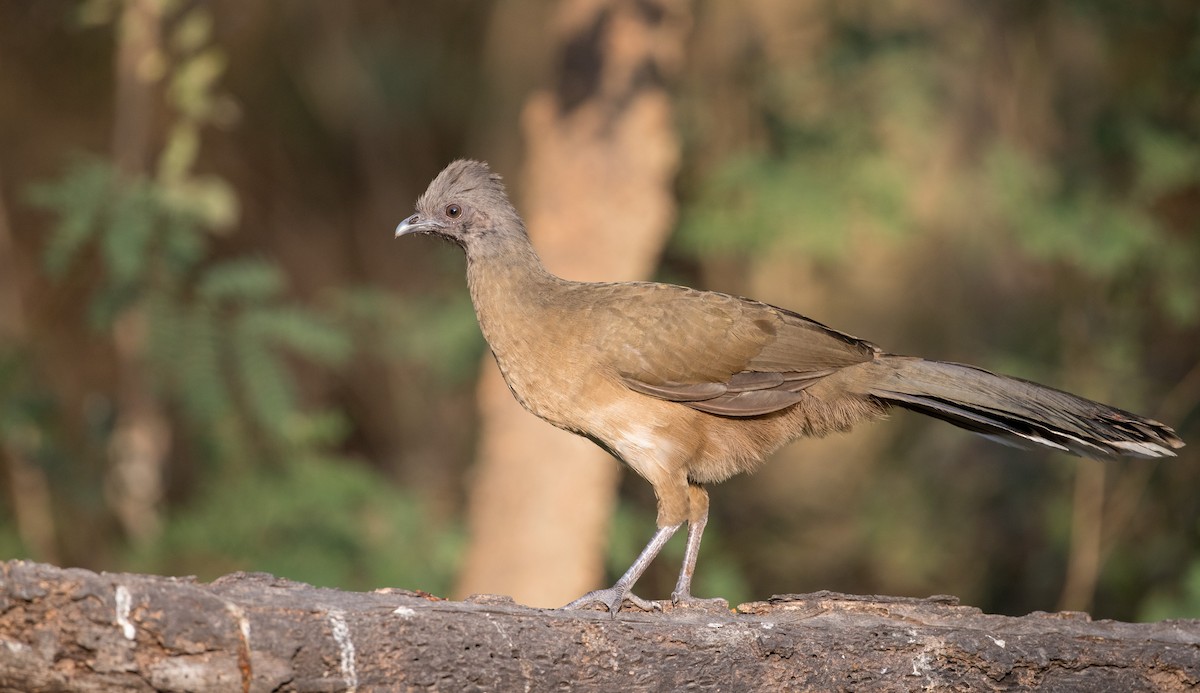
(687, 601)
(612, 599)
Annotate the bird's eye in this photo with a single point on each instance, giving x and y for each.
(453, 211)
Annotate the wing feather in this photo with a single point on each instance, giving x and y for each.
(714, 352)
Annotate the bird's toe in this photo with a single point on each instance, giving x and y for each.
(612, 599)
(711, 605)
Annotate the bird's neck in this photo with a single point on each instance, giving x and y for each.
(528, 315)
(509, 287)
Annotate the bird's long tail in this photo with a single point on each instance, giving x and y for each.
(1015, 411)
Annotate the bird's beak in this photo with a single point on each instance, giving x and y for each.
(415, 224)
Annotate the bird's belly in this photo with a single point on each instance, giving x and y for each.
(596, 407)
(546, 393)
(653, 437)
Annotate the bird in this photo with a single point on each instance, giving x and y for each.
(689, 387)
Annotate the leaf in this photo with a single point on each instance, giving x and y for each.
(108, 303)
(318, 429)
(263, 381)
(1166, 161)
(92, 13)
(80, 198)
(243, 279)
(209, 199)
(1086, 227)
(203, 384)
(444, 336)
(325, 520)
(127, 235)
(190, 89)
(183, 243)
(193, 31)
(301, 331)
(179, 153)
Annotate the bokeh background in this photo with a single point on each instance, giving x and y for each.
(214, 357)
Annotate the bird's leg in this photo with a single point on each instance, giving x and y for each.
(613, 597)
(682, 596)
(683, 586)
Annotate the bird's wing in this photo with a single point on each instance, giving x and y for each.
(713, 352)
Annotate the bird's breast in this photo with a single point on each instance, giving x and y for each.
(547, 367)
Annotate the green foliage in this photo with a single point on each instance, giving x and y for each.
(824, 173)
(440, 335)
(240, 279)
(27, 412)
(1166, 161)
(80, 199)
(1110, 237)
(218, 335)
(328, 522)
(1079, 227)
(144, 244)
(221, 339)
(228, 350)
(31, 435)
(193, 93)
(811, 202)
(1181, 601)
(21, 405)
(11, 545)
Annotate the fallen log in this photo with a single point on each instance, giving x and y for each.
(70, 629)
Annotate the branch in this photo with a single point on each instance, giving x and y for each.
(72, 629)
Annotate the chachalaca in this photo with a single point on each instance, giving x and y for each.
(690, 387)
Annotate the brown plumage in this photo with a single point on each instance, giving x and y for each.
(691, 387)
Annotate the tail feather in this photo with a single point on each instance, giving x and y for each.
(1018, 412)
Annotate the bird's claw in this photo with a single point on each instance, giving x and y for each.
(612, 599)
(711, 605)
(643, 604)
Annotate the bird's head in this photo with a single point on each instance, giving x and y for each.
(466, 204)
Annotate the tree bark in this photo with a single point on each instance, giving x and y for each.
(71, 629)
(141, 437)
(601, 156)
(29, 489)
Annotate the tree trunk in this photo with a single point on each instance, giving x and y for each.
(29, 489)
(597, 195)
(71, 629)
(138, 447)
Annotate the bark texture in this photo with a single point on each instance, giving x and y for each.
(71, 629)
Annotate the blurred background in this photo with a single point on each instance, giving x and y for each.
(214, 357)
